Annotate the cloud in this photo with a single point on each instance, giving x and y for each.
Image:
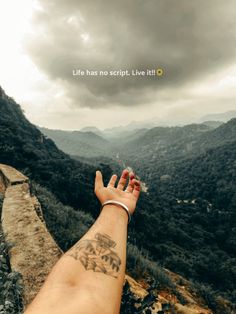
(188, 39)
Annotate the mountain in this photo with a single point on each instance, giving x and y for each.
(191, 179)
(92, 129)
(160, 145)
(212, 120)
(161, 142)
(213, 124)
(191, 221)
(124, 137)
(23, 146)
(122, 131)
(225, 116)
(186, 220)
(77, 143)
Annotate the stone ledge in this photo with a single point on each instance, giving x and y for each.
(11, 176)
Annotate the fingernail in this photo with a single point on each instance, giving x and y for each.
(124, 174)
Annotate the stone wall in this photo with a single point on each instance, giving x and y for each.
(2, 184)
(33, 252)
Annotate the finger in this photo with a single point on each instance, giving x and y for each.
(98, 181)
(130, 185)
(112, 181)
(137, 188)
(123, 178)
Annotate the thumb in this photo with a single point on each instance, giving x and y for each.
(98, 180)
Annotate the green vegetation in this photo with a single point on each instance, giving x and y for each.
(186, 221)
(24, 147)
(10, 287)
(63, 222)
(193, 215)
(83, 144)
(140, 266)
(67, 226)
(215, 302)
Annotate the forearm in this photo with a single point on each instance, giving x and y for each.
(90, 274)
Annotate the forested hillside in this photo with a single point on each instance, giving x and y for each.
(86, 144)
(190, 173)
(195, 202)
(187, 219)
(161, 145)
(24, 147)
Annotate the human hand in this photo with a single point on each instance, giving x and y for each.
(129, 196)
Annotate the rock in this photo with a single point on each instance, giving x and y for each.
(166, 302)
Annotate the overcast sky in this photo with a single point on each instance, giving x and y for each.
(43, 41)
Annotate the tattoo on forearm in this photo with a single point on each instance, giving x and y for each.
(97, 255)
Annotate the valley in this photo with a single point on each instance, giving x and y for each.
(185, 221)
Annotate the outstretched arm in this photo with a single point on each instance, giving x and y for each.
(89, 277)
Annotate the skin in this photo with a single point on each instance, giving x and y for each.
(89, 277)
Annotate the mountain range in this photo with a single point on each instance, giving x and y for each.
(86, 143)
(117, 131)
(185, 221)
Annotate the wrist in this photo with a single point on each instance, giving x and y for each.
(116, 212)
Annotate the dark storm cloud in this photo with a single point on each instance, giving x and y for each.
(188, 39)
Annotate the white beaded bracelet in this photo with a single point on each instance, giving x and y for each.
(111, 202)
